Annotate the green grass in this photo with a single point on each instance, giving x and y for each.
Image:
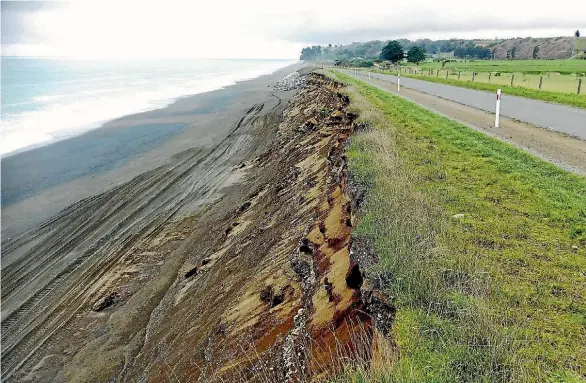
(509, 66)
(572, 99)
(496, 295)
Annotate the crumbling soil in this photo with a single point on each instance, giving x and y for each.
(260, 285)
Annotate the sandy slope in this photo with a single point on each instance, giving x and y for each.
(232, 262)
(54, 270)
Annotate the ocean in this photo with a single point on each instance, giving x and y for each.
(47, 100)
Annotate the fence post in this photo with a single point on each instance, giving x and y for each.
(489, 76)
(399, 82)
(512, 79)
(458, 75)
(473, 76)
(447, 72)
(437, 73)
(498, 108)
(579, 85)
(540, 81)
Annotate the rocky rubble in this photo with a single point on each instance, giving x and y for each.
(292, 81)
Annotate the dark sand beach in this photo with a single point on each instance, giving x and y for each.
(72, 209)
(38, 183)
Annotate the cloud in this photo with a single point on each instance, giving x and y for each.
(388, 19)
(15, 16)
(435, 29)
(261, 28)
(133, 29)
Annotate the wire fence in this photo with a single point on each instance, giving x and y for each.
(547, 82)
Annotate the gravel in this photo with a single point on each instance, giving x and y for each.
(292, 81)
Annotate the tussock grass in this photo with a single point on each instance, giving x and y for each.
(495, 295)
(362, 352)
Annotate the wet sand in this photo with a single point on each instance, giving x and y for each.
(64, 236)
(39, 183)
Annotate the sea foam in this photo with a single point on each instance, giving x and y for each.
(85, 102)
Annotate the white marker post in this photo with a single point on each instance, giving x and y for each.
(399, 82)
(354, 71)
(498, 108)
(369, 75)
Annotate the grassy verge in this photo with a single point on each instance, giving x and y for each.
(575, 100)
(482, 249)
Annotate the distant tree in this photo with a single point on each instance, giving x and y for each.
(416, 55)
(513, 51)
(393, 52)
(474, 52)
(329, 45)
(493, 54)
(311, 53)
(536, 52)
(577, 33)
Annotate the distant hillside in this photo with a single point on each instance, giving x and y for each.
(522, 48)
(549, 47)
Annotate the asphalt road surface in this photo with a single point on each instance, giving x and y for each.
(561, 118)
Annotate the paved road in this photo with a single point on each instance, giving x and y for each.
(560, 118)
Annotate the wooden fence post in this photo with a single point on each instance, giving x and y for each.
(447, 72)
(473, 76)
(437, 73)
(458, 75)
(489, 76)
(540, 81)
(512, 79)
(579, 85)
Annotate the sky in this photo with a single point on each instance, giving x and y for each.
(262, 28)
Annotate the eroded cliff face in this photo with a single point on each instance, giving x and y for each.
(260, 285)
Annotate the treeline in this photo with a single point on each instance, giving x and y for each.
(312, 53)
(373, 49)
(473, 52)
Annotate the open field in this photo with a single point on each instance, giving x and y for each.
(481, 246)
(512, 66)
(555, 88)
(549, 83)
(523, 85)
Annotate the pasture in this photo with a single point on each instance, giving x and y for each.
(512, 66)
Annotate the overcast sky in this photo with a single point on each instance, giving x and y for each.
(263, 28)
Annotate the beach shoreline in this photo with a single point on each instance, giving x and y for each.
(63, 246)
(70, 98)
(38, 183)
